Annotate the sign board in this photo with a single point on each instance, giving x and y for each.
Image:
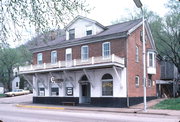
(53, 80)
(69, 91)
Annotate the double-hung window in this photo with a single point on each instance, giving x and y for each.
(137, 54)
(53, 57)
(69, 57)
(137, 81)
(106, 50)
(151, 59)
(84, 53)
(89, 30)
(39, 58)
(71, 34)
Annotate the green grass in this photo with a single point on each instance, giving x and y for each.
(2, 95)
(173, 104)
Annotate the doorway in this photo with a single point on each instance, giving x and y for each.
(85, 92)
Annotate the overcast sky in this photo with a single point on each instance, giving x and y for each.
(105, 11)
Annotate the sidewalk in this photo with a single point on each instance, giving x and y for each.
(137, 109)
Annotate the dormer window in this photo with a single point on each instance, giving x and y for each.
(71, 34)
(89, 30)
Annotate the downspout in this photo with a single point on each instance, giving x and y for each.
(127, 72)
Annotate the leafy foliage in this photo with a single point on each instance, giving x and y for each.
(9, 59)
(36, 15)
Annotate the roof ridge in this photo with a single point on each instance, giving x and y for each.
(124, 22)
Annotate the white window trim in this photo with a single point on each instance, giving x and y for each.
(103, 50)
(68, 51)
(137, 54)
(83, 53)
(38, 58)
(107, 80)
(88, 28)
(137, 77)
(153, 59)
(51, 56)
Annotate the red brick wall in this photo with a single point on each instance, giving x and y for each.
(136, 69)
(118, 47)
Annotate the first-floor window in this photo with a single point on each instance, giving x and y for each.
(107, 85)
(137, 81)
(54, 91)
(149, 80)
(41, 92)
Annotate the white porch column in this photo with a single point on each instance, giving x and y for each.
(35, 84)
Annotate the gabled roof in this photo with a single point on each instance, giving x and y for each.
(85, 18)
(120, 30)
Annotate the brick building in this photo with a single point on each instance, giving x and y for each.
(93, 64)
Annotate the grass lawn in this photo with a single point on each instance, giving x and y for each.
(173, 104)
(2, 95)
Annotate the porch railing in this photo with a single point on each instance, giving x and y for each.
(76, 62)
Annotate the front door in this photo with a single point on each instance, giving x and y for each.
(85, 93)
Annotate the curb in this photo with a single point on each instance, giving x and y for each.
(76, 109)
(39, 107)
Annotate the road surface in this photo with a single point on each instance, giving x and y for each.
(10, 113)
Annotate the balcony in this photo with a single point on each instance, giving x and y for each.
(74, 64)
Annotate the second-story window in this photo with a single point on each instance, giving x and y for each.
(53, 56)
(151, 59)
(141, 35)
(39, 58)
(89, 30)
(71, 34)
(84, 53)
(106, 50)
(137, 54)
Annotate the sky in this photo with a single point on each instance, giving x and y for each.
(107, 11)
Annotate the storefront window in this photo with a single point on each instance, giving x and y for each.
(107, 85)
(41, 92)
(55, 91)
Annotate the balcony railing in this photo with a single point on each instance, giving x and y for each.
(74, 63)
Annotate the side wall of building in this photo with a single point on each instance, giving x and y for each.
(136, 68)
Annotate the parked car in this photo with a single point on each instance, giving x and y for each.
(17, 92)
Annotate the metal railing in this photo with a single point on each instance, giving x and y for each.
(76, 62)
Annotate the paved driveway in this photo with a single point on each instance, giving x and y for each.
(17, 99)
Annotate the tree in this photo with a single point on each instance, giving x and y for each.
(9, 59)
(168, 34)
(17, 16)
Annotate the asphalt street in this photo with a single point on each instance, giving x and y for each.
(10, 113)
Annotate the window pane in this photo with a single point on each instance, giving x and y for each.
(39, 58)
(84, 52)
(150, 59)
(54, 91)
(107, 88)
(72, 34)
(53, 57)
(106, 49)
(41, 92)
(89, 32)
(137, 54)
(107, 85)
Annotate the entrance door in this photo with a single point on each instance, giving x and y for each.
(85, 90)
